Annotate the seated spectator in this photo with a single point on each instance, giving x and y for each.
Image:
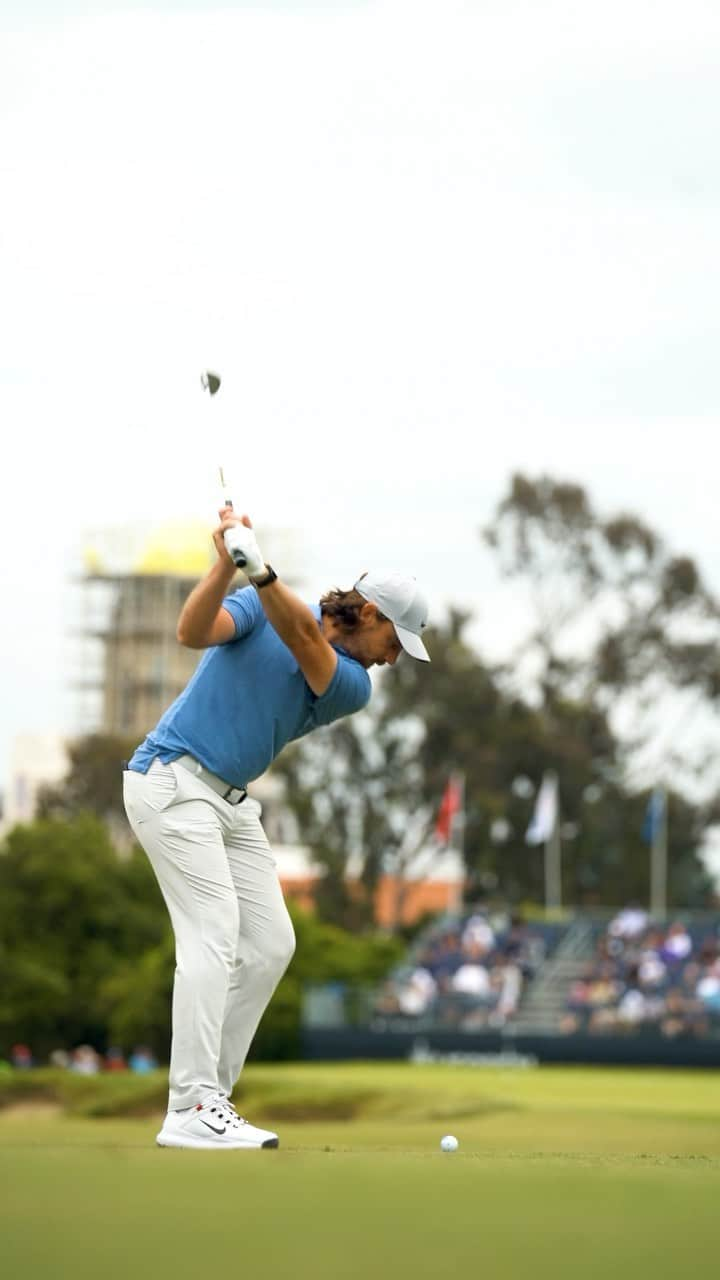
(85, 1060)
(523, 947)
(652, 973)
(21, 1057)
(386, 1000)
(508, 978)
(471, 980)
(142, 1060)
(678, 1019)
(708, 989)
(653, 940)
(602, 992)
(690, 976)
(445, 957)
(677, 945)
(639, 1008)
(709, 951)
(629, 923)
(603, 1020)
(478, 935)
(633, 1007)
(416, 993)
(115, 1060)
(578, 995)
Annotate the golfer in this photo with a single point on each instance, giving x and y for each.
(274, 669)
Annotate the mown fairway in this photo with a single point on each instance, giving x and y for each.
(564, 1172)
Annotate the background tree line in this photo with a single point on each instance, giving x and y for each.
(620, 635)
(87, 954)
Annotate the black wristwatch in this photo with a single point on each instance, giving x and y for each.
(268, 577)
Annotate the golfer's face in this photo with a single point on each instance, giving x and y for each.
(377, 643)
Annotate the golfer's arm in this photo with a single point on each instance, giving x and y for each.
(297, 627)
(202, 620)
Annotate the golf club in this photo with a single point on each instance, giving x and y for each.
(211, 382)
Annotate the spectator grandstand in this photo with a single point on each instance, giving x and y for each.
(646, 975)
(634, 987)
(467, 973)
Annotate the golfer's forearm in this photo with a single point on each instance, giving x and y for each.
(203, 605)
(290, 616)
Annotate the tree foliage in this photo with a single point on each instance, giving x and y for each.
(614, 611)
(361, 786)
(93, 783)
(87, 953)
(475, 724)
(70, 910)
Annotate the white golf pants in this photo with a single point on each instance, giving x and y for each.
(233, 935)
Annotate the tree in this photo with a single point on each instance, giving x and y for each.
(358, 788)
(87, 952)
(624, 627)
(93, 783)
(356, 791)
(617, 618)
(71, 913)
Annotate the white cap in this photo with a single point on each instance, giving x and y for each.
(400, 599)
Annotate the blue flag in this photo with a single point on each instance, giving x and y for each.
(654, 815)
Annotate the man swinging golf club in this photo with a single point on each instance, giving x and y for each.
(274, 669)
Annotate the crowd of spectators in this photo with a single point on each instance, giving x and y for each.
(466, 974)
(660, 978)
(84, 1060)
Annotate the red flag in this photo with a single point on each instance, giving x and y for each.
(450, 806)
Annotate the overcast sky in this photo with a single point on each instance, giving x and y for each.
(426, 244)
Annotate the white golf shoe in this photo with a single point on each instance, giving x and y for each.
(213, 1125)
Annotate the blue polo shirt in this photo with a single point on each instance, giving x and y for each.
(247, 699)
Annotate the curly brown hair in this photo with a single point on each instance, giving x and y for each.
(344, 608)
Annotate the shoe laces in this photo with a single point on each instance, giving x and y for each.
(224, 1107)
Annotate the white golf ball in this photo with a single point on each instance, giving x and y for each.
(449, 1143)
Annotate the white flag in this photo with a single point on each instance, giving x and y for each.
(542, 823)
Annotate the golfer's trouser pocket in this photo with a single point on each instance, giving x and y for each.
(148, 794)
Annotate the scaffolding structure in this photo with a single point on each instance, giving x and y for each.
(130, 666)
(133, 666)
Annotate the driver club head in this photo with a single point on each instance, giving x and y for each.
(210, 381)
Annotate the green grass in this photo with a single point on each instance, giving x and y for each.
(561, 1172)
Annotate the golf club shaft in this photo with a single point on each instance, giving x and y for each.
(211, 382)
(227, 501)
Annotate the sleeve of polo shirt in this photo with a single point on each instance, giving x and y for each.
(245, 609)
(348, 691)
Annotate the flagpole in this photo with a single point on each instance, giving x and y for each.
(457, 831)
(658, 860)
(544, 829)
(553, 871)
(553, 865)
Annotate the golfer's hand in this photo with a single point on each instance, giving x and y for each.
(227, 519)
(243, 539)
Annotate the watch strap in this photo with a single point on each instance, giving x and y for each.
(265, 579)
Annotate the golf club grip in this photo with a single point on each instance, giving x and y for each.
(236, 553)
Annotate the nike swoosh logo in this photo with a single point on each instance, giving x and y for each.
(211, 1126)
